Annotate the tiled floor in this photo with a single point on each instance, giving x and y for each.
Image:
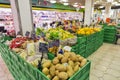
(105, 64)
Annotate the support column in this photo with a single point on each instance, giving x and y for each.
(88, 12)
(107, 10)
(22, 15)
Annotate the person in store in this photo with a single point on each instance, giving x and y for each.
(117, 36)
(66, 26)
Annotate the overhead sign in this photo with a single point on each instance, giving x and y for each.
(8, 1)
(4, 1)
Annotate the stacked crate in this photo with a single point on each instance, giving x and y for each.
(21, 70)
(90, 44)
(110, 34)
(99, 39)
(80, 47)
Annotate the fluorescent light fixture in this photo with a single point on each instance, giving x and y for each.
(82, 6)
(75, 5)
(95, 3)
(101, 6)
(65, 4)
(52, 1)
(114, 2)
(109, 0)
(63, 0)
(117, 4)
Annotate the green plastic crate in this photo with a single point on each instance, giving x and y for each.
(89, 52)
(109, 41)
(82, 52)
(81, 40)
(75, 46)
(90, 37)
(21, 70)
(83, 73)
(80, 46)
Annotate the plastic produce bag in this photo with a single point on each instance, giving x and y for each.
(72, 41)
(30, 49)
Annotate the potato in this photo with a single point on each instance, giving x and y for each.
(55, 61)
(45, 71)
(16, 50)
(63, 75)
(67, 54)
(80, 59)
(60, 67)
(56, 72)
(64, 60)
(76, 68)
(78, 56)
(49, 76)
(77, 63)
(70, 71)
(84, 61)
(56, 78)
(52, 71)
(24, 45)
(71, 63)
(46, 64)
(73, 57)
(59, 56)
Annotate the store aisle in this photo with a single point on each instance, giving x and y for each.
(106, 63)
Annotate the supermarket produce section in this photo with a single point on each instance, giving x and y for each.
(27, 60)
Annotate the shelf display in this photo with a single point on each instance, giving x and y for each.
(6, 19)
(46, 17)
(41, 19)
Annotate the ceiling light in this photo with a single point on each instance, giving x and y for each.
(109, 0)
(65, 4)
(63, 0)
(52, 1)
(101, 6)
(117, 4)
(82, 6)
(95, 3)
(75, 5)
(114, 3)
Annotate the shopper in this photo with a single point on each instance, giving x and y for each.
(117, 36)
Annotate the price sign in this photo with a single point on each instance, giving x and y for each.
(54, 43)
(19, 33)
(57, 43)
(43, 47)
(33, 35)
(42, 34)
(27, 34)
(51, 44)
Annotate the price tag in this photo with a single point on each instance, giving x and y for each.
(42, 34)
(18, 33)
(57, 43)
(43, 47)
(54, 43)
(33, 35)
(27, 34)
(51, 44)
